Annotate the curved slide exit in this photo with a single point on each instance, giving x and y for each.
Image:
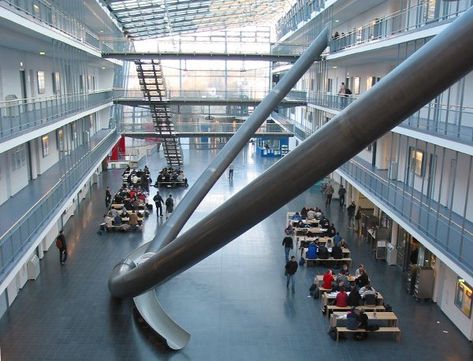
(424, 75)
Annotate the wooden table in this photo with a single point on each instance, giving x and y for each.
(390, 317)
(319, 279)
(327, 298)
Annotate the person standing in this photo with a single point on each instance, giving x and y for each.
(351, 214)
(108, 197)
(341, 195)
(158, 201)
(328, 194)
(61, 246)
(342, 95)
(288, 245)
(230, 172)
(291, 269)
(169, 206)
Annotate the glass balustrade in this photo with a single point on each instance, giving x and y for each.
(47, 13)
(18, 238)
(443, 228)
(408, 19)
(448, 121)
(22, 115)
(203, 127)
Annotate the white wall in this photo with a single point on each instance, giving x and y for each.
(446, 281)
(46, 162)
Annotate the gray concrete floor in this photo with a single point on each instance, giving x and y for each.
(234, 303)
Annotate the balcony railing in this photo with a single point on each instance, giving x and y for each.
(443, 228)
(16, 240)
(300, 11)
(204, 127)
(402, 21)
(22, 115)
(448, 121)
(46, 13)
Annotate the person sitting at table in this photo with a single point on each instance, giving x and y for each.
(358, 270)
(108, 221)
(304, 212)
(117, 220)
(341, 300)
(345, 269)
(329, 243)
(318, 213)
(133, 220)
(323, 252)
(296, 217)
(324, 222)
(363, 279)
(146, 170)
(118, 199)
(310, 214)
(331, 231)
(342, 279)
(113, 213)
(354, 298)
(337, 252)
(368, 295)
(327, 279)
(337, 239)
(311, 251)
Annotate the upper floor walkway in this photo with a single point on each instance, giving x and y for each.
(424, 217)
(22, 117)
(29, 211)
(441, 120)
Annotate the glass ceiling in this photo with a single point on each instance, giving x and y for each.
(145, 19)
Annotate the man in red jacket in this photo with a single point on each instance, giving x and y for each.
(328, 279)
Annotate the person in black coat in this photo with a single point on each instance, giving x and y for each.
(291, 269)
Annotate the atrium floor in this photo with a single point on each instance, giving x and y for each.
(234, 303)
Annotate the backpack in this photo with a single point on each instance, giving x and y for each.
(314, 291)
(301, 261)
(59, 243)
(347, 91)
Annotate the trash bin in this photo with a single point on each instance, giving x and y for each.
(33, 268)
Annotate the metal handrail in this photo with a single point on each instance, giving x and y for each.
(53, 188)
(62, 97)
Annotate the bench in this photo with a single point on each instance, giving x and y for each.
(332, 308)
(172, 184)
(394, 330)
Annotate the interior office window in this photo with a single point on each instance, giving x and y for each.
(45, 145)
(356, 85)
(56, 80)
(60, 139)
(41, 82)
(416, 161)
(81, 83)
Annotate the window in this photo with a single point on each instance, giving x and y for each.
(56, 81)
(463, 295)
(60, 139)
(416, 161)
(18, 158)
(45, 145)
(81, 83)
(41, 82)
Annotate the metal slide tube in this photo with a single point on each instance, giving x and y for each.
(428, 72)
(225, 156)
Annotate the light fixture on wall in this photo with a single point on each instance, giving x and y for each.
(103, 68)
(42, 52)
